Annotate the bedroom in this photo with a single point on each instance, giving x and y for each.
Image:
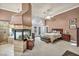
(53, 28)
(64, 19)
(61, 21)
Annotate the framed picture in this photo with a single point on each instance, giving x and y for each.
(73, 23)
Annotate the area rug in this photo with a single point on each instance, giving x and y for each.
(69, 53)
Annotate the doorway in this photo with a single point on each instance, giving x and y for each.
(4, 32)
(77, 37)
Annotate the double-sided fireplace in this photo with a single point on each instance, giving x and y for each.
(21, 34)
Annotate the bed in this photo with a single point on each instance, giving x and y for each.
(54, 34)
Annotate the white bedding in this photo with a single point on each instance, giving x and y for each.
(53, 36)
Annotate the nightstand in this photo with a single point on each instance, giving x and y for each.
(66, 37)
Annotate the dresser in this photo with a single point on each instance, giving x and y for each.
(66, 37)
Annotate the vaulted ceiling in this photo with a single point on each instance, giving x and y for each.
(42, 10)
(51, 9)
(39, 10)
(16, 13)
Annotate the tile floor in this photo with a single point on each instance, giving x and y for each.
(40, 49)
(43, 49)
(7, 50)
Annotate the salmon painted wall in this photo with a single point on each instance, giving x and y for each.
(5, 15)
(16, 19)
(27, 19)
(24, 19)
(62, 21)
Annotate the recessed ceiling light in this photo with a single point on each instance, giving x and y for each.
(48, 17)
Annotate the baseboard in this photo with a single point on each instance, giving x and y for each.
(73, 41)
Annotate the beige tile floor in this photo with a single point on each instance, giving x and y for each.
(6, 50)
(43, 49)
(40, 49)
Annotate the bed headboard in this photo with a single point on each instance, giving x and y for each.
(61, 30)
